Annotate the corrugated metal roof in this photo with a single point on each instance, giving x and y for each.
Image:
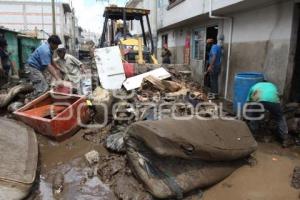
(2, 28)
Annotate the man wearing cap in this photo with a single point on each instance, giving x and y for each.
(40, 60)
(70, 67)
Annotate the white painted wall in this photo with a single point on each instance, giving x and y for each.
(187, 9)
(265, 23)
(152, 6)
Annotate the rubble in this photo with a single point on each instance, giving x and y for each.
(58, 183)
(15, 106)
(92, 157)
(296, 178)
(115, 142)
(102, 101)
(129, 168)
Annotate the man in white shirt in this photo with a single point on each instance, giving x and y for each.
(70, 67)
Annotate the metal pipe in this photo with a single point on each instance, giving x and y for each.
(150, 34)
(102, 40)
(112, 22)
(53, 17)
(143, 31)
(229, 45)
(124, 24)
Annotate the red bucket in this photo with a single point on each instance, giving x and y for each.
(129, 69)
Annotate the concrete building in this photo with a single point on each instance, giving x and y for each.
(36, 17)
(135, 26)
(87, 35)
(262, 35)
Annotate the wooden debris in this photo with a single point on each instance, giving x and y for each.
(162, 85)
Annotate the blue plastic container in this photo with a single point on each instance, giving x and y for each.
(242, 84)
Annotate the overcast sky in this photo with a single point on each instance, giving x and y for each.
(89, 13)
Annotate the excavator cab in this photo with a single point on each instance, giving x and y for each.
(134, 49)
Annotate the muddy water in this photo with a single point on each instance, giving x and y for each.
(270, 178)
(64, 171)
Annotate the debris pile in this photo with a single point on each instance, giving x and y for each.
(157, 95)
(148, 123)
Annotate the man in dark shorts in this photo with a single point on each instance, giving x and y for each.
(40, 60)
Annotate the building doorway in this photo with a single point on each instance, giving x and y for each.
(212, 33)
(211, 39)
(164, 40)
(295, 89)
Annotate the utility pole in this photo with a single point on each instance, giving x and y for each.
(53, 17)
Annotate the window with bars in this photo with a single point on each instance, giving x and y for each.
(198, 44)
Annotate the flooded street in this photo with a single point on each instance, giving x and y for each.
(64, 170)
(63, 165)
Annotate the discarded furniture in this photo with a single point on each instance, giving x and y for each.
(175, 157)
(55, 114)
(211, 140)
(19, 158)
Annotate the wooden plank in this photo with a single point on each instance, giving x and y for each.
(155, 82)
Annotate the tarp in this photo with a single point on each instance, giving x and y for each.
(210, 140)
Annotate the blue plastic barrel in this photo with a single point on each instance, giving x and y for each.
(242, 84)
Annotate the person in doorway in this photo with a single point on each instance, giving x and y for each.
(209, 44)
(266, 94)
(7, 67)
(70, 67)
(166, 55)
(40, 60)
(214, 68)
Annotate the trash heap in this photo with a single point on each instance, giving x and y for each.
(160, 121)
(152, 117)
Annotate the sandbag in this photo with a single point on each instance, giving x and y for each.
(211, 140)
(173, 177)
